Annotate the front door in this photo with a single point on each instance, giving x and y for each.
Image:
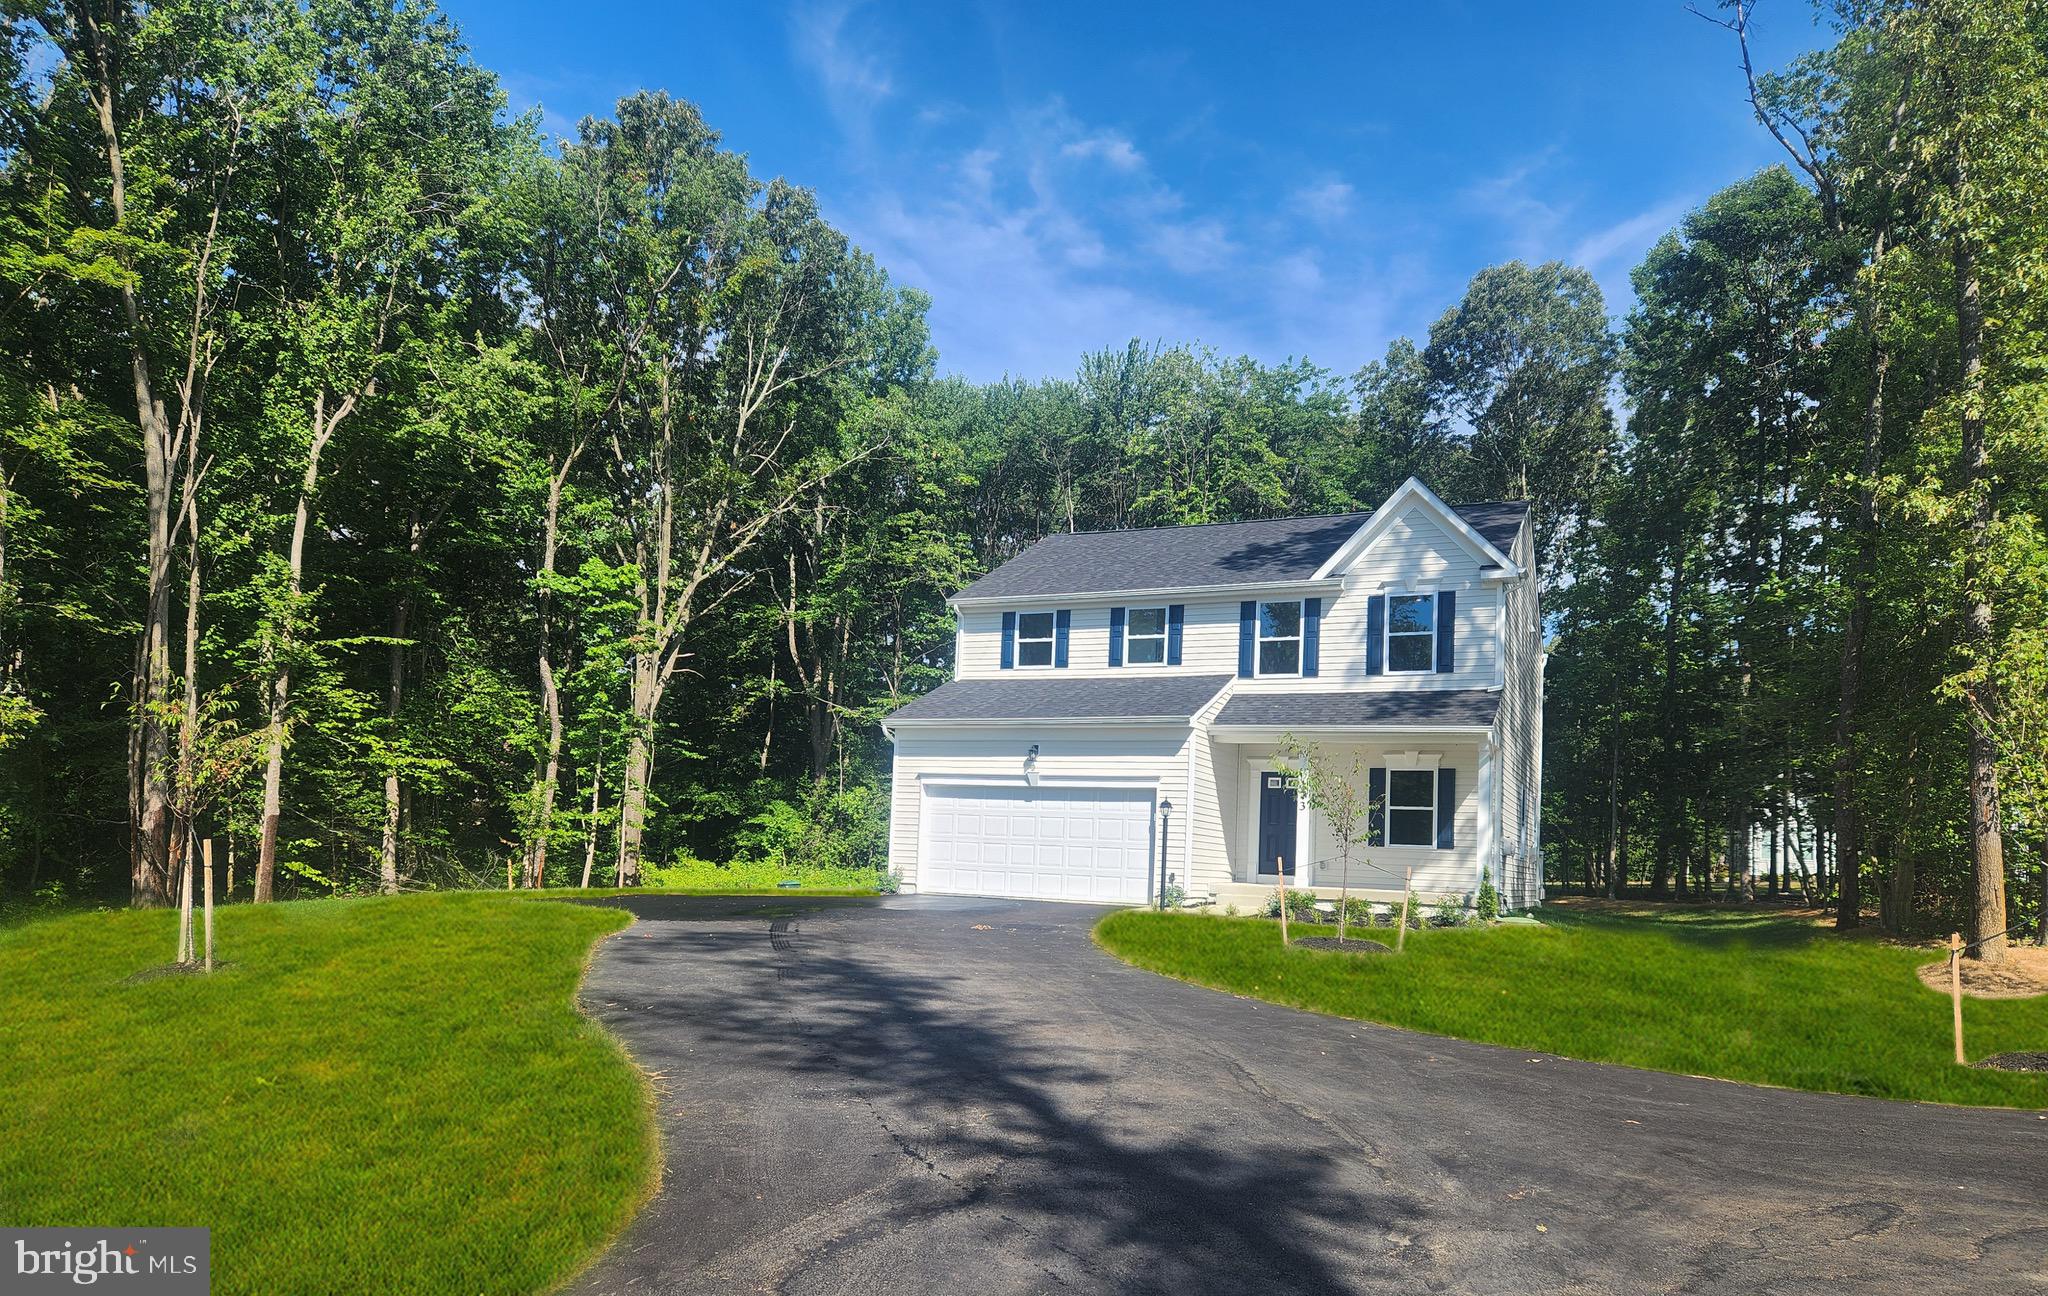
(1276, 822)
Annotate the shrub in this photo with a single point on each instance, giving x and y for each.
(1450, 912)
(1172, 896)
(1301, 906)
(824, 828)
(1487, 907)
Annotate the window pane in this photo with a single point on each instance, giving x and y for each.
(1410, 612)
(1145, 652)
(1279, 620)
(1035, 653)
(1411, 652)
(1034, 625)
(1147, 621)
(1410, 828)
(1410, 787)
(1282, 657)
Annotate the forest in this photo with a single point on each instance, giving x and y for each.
(400, 498)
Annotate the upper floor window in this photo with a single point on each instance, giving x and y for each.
(1411, 632)
(1280, 638)
(1411, 807)
(1145, 636)
(1034, 638)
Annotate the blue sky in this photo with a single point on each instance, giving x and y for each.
(1278, 181)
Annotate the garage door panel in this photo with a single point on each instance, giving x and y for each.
(1084, 844)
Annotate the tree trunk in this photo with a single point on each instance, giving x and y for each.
(639, 768)
(281, 679)
(394, 693)
(550, 693)
(590, 828)
(1987, 846)
(149, 746)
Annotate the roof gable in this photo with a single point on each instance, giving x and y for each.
(1413, 493)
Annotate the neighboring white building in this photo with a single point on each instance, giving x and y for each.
(1101, 677)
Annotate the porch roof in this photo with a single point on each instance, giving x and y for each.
(1377, 709)
(1159, 699)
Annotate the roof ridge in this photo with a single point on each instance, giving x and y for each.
(1290, 517)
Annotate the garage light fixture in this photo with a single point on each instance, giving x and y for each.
(1031, 766)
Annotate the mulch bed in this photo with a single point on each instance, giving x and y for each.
(1352, 946)
(2013, 1062)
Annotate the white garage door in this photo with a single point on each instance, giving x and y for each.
(1039, 843)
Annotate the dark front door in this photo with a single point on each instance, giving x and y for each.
(1276, 822)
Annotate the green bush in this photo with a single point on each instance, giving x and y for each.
(1450, 912)
(1487, 907)
(1301, 906)
(825, 828)
(691, 874)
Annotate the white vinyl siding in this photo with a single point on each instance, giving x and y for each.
(1416, 555)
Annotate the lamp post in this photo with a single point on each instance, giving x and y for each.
(1165, 837)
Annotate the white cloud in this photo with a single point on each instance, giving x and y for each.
(1326, 202)
(856, 79)
(1108, 147)
(1195, 247)
(1631, 237)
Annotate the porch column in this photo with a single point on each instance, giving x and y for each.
(1489, 818)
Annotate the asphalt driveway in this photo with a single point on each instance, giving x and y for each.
(934, 1095)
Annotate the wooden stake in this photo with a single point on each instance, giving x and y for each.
(1280, 872)
(508, 870)
(1401, 932)
(1955, 989)
(185, 908)
(208, 848)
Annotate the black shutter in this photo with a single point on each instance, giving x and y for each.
(1446, 808)
(1311, 635)
(1061, 620)
(1247, 636)
(1009, 640)
(1446, 630)
(1116, 636)
(1176, 617)
(1376, 811)
(1376, 635)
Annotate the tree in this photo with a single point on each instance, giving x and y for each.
(1337, 790)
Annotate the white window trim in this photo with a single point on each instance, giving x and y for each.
(1387, 635)
(1387, 811)
(1164, 635)
(1051, 642)
(1299, 638)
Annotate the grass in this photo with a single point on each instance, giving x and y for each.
(373, 1095)
(1734, 994)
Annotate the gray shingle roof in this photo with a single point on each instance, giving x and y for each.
(1222, 553)
(1051, 697)
(1420, 708)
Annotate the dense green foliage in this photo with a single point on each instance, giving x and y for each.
(493, 1143)
(390, 494)
(1729, 993)
(1804, 635)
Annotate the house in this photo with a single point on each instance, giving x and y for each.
(1119, 699)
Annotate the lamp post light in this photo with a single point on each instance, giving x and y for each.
(1165, 837)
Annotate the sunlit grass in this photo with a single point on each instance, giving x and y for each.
(1722, 993)
(391, 1095)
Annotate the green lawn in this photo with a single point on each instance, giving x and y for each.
(389, 1095)
(1740, 995)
